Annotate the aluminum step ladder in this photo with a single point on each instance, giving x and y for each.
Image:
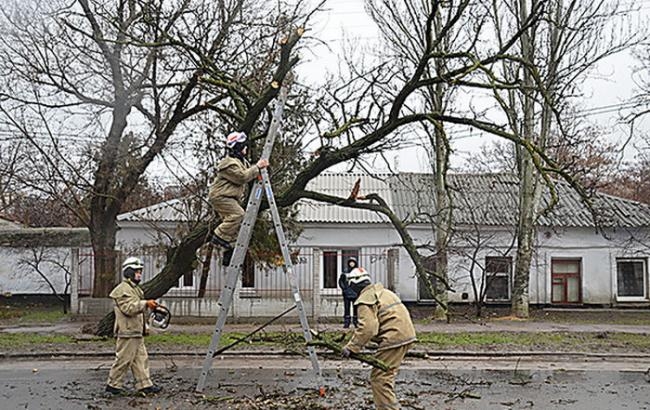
(263, 185)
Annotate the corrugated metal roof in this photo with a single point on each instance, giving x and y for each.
(174, 210)
(341, 185)
(484, 199)
(492, 199)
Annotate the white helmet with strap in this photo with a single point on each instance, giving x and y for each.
(236, 139)
(358, 275)
(132, 263)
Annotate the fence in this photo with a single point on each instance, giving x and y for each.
(263, 290)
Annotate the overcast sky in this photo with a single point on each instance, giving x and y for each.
(610, 86)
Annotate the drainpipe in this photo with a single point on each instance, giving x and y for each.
(315, 286)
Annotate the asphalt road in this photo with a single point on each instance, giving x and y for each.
(276, 382)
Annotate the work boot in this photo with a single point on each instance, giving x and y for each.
(355, 321)
(227, 256)
(151, 389)
(113, 390)
(216, 240)
(346, 322)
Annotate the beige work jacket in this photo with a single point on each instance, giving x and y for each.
(130, 309)
(231, 179)
(383, 319)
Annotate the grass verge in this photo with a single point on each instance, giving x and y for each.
(29, 315)
(484, 341)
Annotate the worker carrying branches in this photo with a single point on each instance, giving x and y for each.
(383, 319)
(228, 188)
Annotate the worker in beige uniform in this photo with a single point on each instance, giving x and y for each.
(130, 329)
(383, 319)
(227, 190)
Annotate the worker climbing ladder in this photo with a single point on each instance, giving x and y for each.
(263, 185)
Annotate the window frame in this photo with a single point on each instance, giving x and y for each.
(645, 280)
(248, 273)
(430, 263)
(508, 275)
(340, 260)
(578, 261)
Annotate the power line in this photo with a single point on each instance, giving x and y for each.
(41, 135)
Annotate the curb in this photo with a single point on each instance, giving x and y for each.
(418, 354)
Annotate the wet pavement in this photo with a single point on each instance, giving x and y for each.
(265, 379)
(287, 383)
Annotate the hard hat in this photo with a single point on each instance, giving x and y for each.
(132, 263)
(235, 139)
(358, 275)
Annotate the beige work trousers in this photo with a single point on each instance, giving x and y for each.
(231, 214)
(383, 383)
(130, 353)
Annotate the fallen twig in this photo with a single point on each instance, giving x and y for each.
(463, 394)
(245, 337)
(216, 399)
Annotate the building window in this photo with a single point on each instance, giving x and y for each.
(565, 277)
(188, 279)
(427, 284)
(248, 272)
(334, 264)
(630, 278)
(498, 276)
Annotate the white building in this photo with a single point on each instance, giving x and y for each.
(573, 262)
(40, 261)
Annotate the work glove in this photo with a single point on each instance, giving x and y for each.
(345, 352)
(151, 304)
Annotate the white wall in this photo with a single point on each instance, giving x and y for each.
(597, 253)
(16, 277)
(131, 235)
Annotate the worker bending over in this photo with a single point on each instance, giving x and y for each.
(383, 319)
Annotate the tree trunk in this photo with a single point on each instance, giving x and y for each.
(525, 233)
(102, 236)
(205, 271)
(180, 260)
(441, 292)
(527, 178)
(443, 215)
(442, 222)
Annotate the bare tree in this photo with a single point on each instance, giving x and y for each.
(473, 243)
(553, 55)
(123, 76)
(10, 163)
(641, 97)
(404, 30)
(47, 264)
(365, 113)
(632, 179)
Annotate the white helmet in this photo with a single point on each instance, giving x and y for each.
(235, 140)
(358, 275)
(132, 263)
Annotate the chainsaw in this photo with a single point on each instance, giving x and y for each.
(160, 317)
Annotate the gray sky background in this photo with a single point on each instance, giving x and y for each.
(609, 86)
